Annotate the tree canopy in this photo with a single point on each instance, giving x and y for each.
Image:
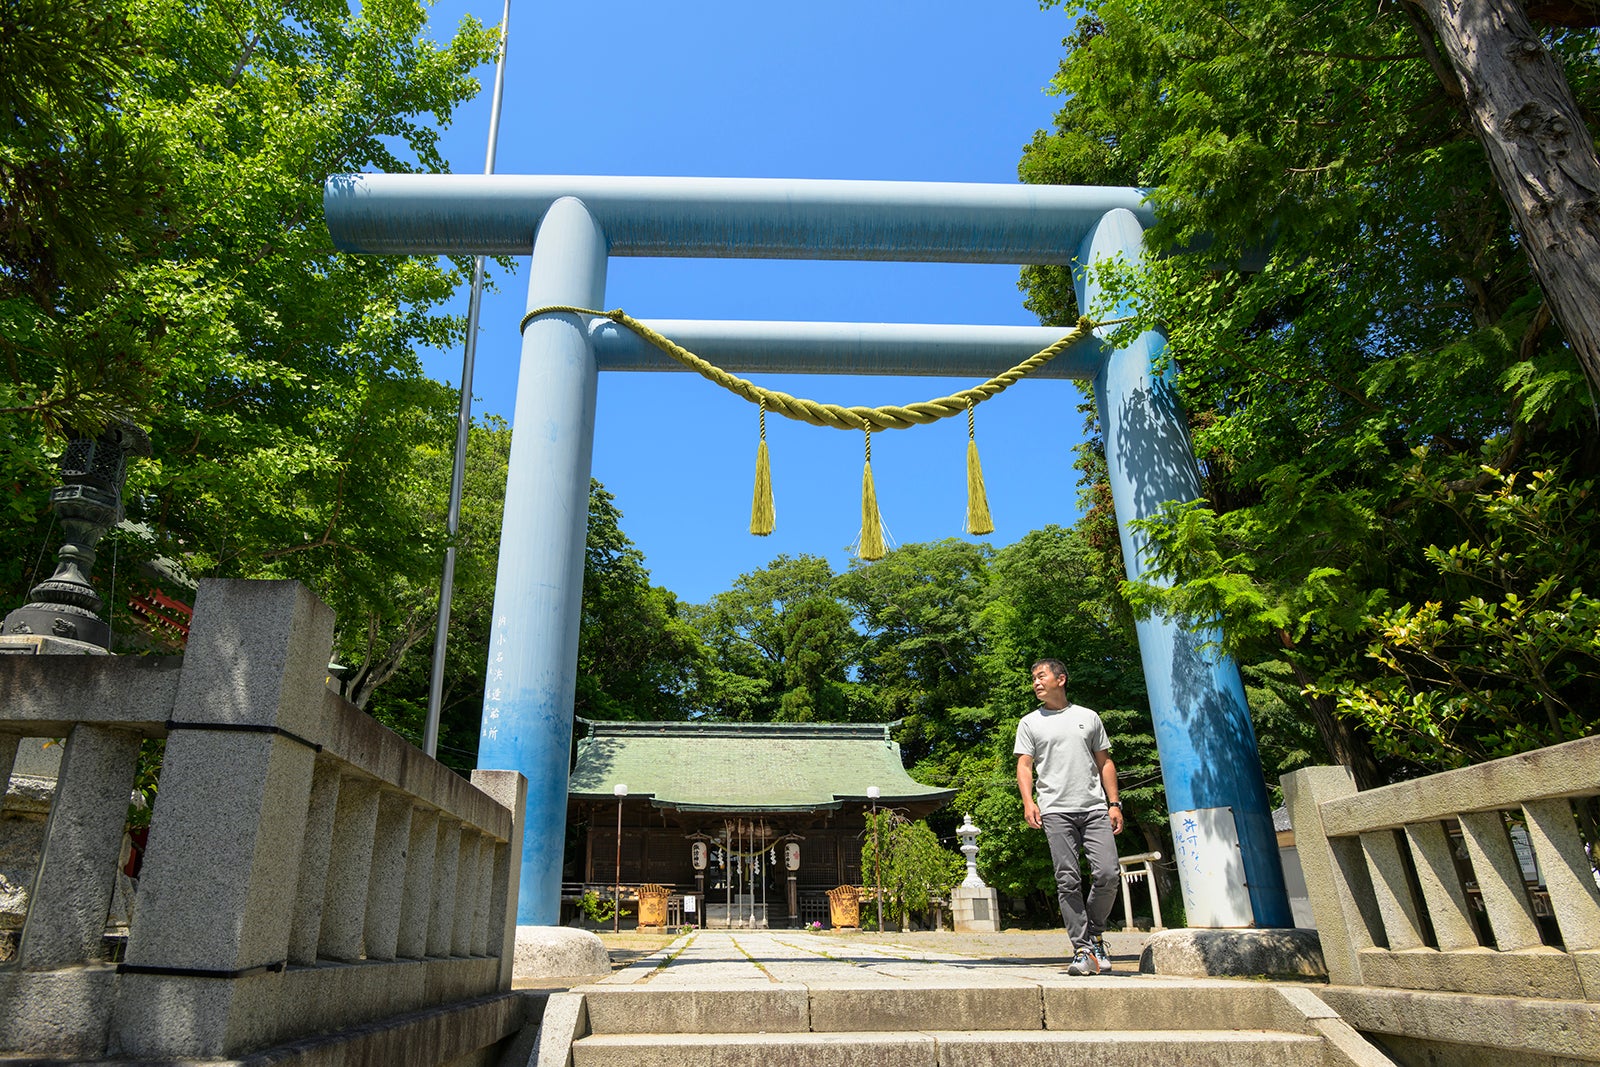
(1362, 346)
(163, 259)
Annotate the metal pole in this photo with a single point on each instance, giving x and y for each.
(877, 867)
(616, 914)
(447, 581)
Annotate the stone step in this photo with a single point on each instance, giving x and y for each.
(822, 1008)
(932, 1048)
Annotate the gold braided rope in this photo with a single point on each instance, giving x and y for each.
(889, 417)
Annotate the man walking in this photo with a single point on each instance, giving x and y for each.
(1063, 751)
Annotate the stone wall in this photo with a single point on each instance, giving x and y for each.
(307, 871)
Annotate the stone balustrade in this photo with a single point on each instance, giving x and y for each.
(1462, 908)
(306, 870)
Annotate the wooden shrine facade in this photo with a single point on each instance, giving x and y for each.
(747, 824)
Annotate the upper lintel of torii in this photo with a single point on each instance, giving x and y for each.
(744, 218)
(760, 218)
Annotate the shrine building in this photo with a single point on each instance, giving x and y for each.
(746, 824)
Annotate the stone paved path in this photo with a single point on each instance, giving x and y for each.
(719, 958)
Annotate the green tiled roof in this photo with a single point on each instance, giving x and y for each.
(745, 766)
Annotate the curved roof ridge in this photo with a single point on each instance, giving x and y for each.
(840, 730)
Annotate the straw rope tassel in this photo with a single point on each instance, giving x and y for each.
(762, 516)
(871, 521)
(978, 519)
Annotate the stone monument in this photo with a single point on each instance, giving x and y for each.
(974, 907)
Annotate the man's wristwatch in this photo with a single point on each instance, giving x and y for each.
(1114, 804)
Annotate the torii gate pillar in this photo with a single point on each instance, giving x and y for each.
(538, 597)
(1209, 761)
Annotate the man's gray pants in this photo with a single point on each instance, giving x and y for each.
(1089, 832)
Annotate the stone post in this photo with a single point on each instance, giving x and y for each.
(1337, 880)
(386, 888)
(83, 839)
(314, 854)
(510, 790)
(8, 756)
(417, 904)
(217, 897)
(1567, 871)
(344, 896)
(442, 902)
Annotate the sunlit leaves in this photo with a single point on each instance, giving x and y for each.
(279, 379)
(1512, 663)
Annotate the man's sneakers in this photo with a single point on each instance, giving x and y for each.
(1092, 960)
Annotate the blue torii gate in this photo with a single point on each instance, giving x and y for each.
(572, 225)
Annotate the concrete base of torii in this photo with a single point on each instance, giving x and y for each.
(1283, 954)
(545, 953)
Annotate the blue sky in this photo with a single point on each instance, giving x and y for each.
(931, 91)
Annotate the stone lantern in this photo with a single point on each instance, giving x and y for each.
(974, 907)
(88, 502)
(969, 848)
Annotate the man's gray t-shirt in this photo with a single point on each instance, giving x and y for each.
(1063, 743)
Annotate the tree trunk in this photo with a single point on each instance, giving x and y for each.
(1541, 153)
(1347, 747)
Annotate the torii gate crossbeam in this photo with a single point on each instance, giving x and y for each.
(572, 225)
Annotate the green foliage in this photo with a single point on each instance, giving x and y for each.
(146, 780)
(1012, 856)
(941, 636)
(953, 629)
(1051, 597)
(189, 282)
(780, 648)
(1513, 663)
(907, 861)
(1345, 302)
(595, 908)
(638, 658)
(919, 608)
(402, 701)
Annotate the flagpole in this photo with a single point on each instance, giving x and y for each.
(430, 734)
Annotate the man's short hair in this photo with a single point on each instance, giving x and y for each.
(1055, 665)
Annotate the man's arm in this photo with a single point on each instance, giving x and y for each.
(1030, 810)
(1108, 780)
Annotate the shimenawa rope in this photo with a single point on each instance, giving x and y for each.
(888, 417)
